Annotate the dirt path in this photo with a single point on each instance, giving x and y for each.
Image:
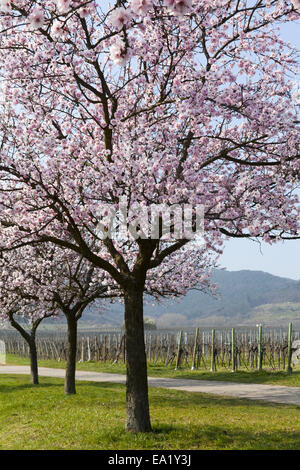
(270, 393)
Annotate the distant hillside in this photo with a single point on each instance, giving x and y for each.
(239, 295)
(274, 314)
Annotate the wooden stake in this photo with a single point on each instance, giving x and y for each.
(213, 362)
(178, 350)
(195, 348)
(233, 362)
(290, 338)
(259, 351)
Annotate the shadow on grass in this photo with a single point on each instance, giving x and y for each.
(217, 437)
(176, 429)
(166, 436)
(12, 388)
(110, 395)
(15, 383)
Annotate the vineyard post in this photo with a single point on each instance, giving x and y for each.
(213, 365)
(195, 348)
(178, 350)
(82, 350)
(233, 350)
(88, 349)
(95, 349)
(104, 349)
(289, 367)
(109, 348)
(259, 349)
(168, 349)
(124, 350)
(149, 351)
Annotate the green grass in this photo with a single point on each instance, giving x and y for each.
(243, 376)
(42, 417)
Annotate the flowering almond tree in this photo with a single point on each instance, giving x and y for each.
(178, 103)
(41, 282)
(22, 308)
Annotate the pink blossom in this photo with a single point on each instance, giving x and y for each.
(179, 7)
(140, 7)
(120, 17)
(36, 18)
(84, 12)
(296, 4)
(5, 5)
(118, 53)
(57, 29)
(63, 5)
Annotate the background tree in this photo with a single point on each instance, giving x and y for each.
(41, 282)
(21, 308)
(159, 102)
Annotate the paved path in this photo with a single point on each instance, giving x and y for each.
(270, 393)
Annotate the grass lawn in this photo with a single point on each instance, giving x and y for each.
(42, 417)
(242, 376)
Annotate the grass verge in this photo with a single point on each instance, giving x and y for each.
(42, 417)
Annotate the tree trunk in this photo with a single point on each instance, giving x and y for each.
(30, 339)
(70, 387)
(138, 416)
(33, 362)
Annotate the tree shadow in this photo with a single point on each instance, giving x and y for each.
(10, 387)
(234, 438)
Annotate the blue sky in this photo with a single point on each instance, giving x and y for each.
(281, 259)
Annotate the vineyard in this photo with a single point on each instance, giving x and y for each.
(198, 349)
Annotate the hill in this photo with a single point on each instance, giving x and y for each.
(274, 314)
(243, 297)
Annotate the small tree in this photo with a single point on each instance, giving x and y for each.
(29, 334)
(21, 305)
(149, 324)
(38, 283)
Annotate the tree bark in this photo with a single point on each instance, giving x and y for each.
(137, 403)
(33, 362)
(70, 387)
(30, 339)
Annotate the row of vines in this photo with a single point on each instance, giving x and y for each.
(205, 349)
